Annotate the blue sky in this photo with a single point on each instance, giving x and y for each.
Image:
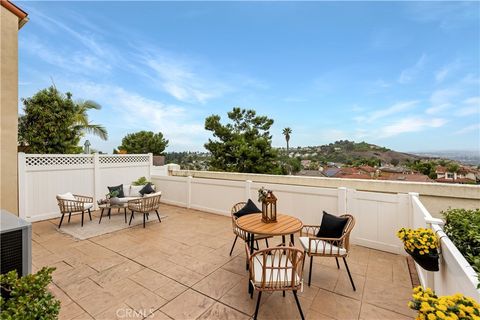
(405, 75)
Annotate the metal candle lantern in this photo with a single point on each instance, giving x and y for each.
(269, 208)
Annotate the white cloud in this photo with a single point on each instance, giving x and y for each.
(135, 112)
(411, 124)
(392, 110)
(438, 108)
(473, 127)
(409, 74)
(447, 70)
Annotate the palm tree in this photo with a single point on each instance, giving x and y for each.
(83, 125)
(287, 132)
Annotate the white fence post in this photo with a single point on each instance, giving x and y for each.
(189, 191)
(342, 200)
(248, 188)
(150, 160)
(21, 185)
(96, 180)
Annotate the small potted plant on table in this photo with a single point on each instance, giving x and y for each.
(422, 245)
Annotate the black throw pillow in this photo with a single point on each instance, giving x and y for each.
(119, 189)
(332, 226)
(147, 189)
(248, 208)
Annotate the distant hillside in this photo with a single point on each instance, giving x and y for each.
(467, 157)
(350, 152)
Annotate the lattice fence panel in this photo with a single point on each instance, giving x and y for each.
(46, 161)
(124, 159)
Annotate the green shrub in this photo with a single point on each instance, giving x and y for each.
(28, 297)
(463, 228)
(140, 182)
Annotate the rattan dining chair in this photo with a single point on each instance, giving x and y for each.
(276, 269)
(327, 247)
(80, 204)
(144, 205)
(239, 232)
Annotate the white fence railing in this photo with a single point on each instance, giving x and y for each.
(42, 177)
(378, 215)
(456, 274)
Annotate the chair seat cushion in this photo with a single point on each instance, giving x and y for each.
(159, 193)
(87, 205)
(274, 277)
(320, 246)
(135, 191)
(126, 199)
(66, 196)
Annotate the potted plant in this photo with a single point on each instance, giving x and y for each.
(432, 307)
(422, 245)
(28, 297)
(112, 197)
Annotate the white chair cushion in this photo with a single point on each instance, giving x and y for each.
(320, 246)
(126, 199)
(66, 196)
(126, 190)
(273, 277)
(135, 191)
(87, 205)
(153, 194)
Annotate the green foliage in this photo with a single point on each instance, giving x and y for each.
(453, 167)
(244, 145)
(28, 298)
(140, 181)
(290, 165)
(463, 228)
(54, 123)
(189, 160)
(144, 142)
(425, 167)
(47, 124)
(112, 194)
(287, 132)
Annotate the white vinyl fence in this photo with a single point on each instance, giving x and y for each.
(378, 215)
(378, 218)
(42, 177)
(456, 274)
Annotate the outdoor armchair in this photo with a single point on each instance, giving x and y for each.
(145, 205)
(239, 232)
(276, 269)
(327, 247)
(74, 203)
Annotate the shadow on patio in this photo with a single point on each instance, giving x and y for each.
(181, 269)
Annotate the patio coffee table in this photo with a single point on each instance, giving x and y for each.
(108, 206)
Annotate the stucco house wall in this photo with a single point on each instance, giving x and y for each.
(12, 18)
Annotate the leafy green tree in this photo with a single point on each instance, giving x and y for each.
(453, 167)
(243, 145)
(54, 123)
(144, 142)
(47, 124)
(82, 123)
(287, 132)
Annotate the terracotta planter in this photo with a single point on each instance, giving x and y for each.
(428, 261)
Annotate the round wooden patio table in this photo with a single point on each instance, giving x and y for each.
(252, 224)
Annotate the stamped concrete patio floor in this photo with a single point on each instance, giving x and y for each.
(181, 269)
